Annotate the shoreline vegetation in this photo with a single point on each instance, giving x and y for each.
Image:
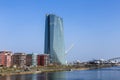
(56, 68)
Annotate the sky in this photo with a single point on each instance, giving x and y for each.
(93, 26)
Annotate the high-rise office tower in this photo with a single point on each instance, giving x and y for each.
(54, 39)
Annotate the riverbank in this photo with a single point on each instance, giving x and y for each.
(35, 70)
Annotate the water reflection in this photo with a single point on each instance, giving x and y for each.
(51, 76)
(98, 74)
(42, 76)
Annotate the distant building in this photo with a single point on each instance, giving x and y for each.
(19, 59)
(42, 59)
(31, 60)
(38, 60)
(5, 58)
(54, 39)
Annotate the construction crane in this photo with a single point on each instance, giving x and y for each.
(66, 52)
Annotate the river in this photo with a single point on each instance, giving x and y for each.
(112, 73)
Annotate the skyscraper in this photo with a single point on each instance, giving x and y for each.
(54, 39)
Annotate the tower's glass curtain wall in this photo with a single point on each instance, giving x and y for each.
(54, 39)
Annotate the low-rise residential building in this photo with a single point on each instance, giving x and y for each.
(31, 60)
(5, 58)
(42, 59)
(19, 59)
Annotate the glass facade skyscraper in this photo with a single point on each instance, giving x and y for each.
(54, 39)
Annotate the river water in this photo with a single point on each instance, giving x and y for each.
(97, 74)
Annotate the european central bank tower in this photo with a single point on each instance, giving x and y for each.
(54, 39)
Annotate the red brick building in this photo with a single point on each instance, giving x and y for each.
(5, 58)
(42, 60)
(38, 60)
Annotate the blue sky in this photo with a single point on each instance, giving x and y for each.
(92, 25)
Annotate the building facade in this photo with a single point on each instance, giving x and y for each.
(54, 39)
(31, 60)
(38, 60)
(5, 58)
(19, 59)
(43, 59)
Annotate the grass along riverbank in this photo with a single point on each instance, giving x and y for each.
(34, 70)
